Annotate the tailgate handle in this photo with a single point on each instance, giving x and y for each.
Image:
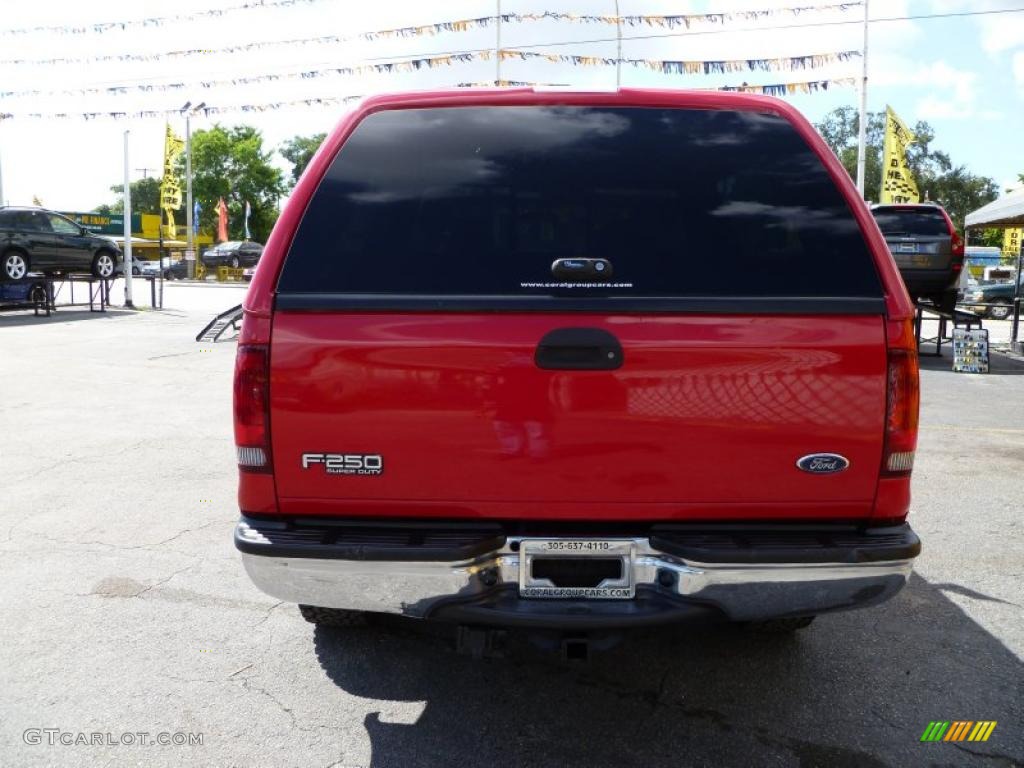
(579, 349)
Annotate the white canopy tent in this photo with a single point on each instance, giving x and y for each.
(1006, 211)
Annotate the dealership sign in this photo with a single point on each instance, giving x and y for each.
(104, 223)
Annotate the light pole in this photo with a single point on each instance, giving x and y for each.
(618, 50)
(188, 109)
(127, 263)
(863, 128)
(497, 45)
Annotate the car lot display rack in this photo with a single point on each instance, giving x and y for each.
(98, 291)
(53, 287)
(958, 318)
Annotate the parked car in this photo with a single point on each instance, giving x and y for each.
(233, 254)
(37, 240)
(927, 250)
(478, 383)
(998, 295)
(149, 267)
(178, 270)
(966, 287)
(23, 292)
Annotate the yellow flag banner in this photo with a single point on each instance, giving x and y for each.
(1012, 239)
(898, 185)
(170, 185)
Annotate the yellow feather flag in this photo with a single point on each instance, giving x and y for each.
(170, 185)
(898, 185)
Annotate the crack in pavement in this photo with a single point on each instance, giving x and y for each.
(93, 458)
(247, 685)
(267, 614)
(164, 581)
(1004, 760)
(149, 547)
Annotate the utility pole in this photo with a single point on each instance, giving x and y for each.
(145, 171)
(188, 109)
(618, 54)
(189, 244)
(497, 48)
(863, 133)
(127, 227)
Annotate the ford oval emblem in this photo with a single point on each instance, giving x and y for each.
(823, 463)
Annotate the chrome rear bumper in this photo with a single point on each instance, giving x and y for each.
(740, 591)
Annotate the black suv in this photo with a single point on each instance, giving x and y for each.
(36, 240)
(234, 254)
(927, 250)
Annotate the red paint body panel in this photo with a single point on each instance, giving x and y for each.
(706, 412)
(704, 421)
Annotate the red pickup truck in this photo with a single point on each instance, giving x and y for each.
(576, 361)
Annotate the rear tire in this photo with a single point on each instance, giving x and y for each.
(15, 266)
(37, 295)
(1000, 310)
(780, 626)
(946, 302)
(332, 617)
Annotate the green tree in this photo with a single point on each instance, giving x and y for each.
(145, 197)
(299, 150)
(231, 163)
(938, 179)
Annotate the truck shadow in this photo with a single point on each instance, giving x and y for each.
(854, 689)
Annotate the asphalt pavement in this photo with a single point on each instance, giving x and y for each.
(125, 609)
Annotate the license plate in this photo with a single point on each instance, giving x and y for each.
(907, 247)
(591, 569)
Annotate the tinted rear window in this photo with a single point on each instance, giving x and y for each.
(922, 222)
(481, 201)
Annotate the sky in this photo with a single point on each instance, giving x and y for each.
(962, 74)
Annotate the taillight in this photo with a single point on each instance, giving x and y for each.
(957, 241)
(252, 407)
(902, 405)
(958, 245)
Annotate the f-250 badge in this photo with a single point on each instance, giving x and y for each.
(345, 463)
(823, 463)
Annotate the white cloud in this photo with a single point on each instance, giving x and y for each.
(955, 94)
(892, 35)
(1018, 70)
(998, 32)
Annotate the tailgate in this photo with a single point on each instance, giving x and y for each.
(705, 412)
(920, 252)
(712, 248)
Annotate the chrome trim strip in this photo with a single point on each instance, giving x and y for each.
(743, 592)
